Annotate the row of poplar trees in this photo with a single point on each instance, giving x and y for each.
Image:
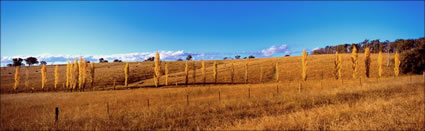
(77, 73)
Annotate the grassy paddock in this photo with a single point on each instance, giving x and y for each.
(385, 104)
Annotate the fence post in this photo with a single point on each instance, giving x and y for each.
(187, 99)
(57, 115)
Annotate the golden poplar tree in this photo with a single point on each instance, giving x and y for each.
(186, 71)
(367, 61)
(81, 73)
(56, 76)
(354, 60)
(338, 66)
(84, 73)
(43, 76)
(67, 74)
(396, 64)
(380, 71)
(17, 78)
(157, 69)
(71, 75)
(126, 74)
(203, 72)
(215, 71)
(166, 74)
(304, 65)
(76, 74)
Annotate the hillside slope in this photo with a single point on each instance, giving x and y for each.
(319, 67)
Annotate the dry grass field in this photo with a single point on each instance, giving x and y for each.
(320, 103)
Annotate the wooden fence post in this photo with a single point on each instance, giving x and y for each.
(187, 99)
(57, 115)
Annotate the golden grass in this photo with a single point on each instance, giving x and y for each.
(388, 104)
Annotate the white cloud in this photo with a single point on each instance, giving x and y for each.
(165, 55)
(276, 49)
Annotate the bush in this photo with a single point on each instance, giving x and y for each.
(413, 61)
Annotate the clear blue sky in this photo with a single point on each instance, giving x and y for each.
(105, 27)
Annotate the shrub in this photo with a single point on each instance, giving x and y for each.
(413, 61)
(31, 60)
(17, 61)
(189, 57)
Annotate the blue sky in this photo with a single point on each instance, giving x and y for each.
(111, 28)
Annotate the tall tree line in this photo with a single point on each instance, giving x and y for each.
(375, 46)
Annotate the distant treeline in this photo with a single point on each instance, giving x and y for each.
(375, 46)
(412, 51)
